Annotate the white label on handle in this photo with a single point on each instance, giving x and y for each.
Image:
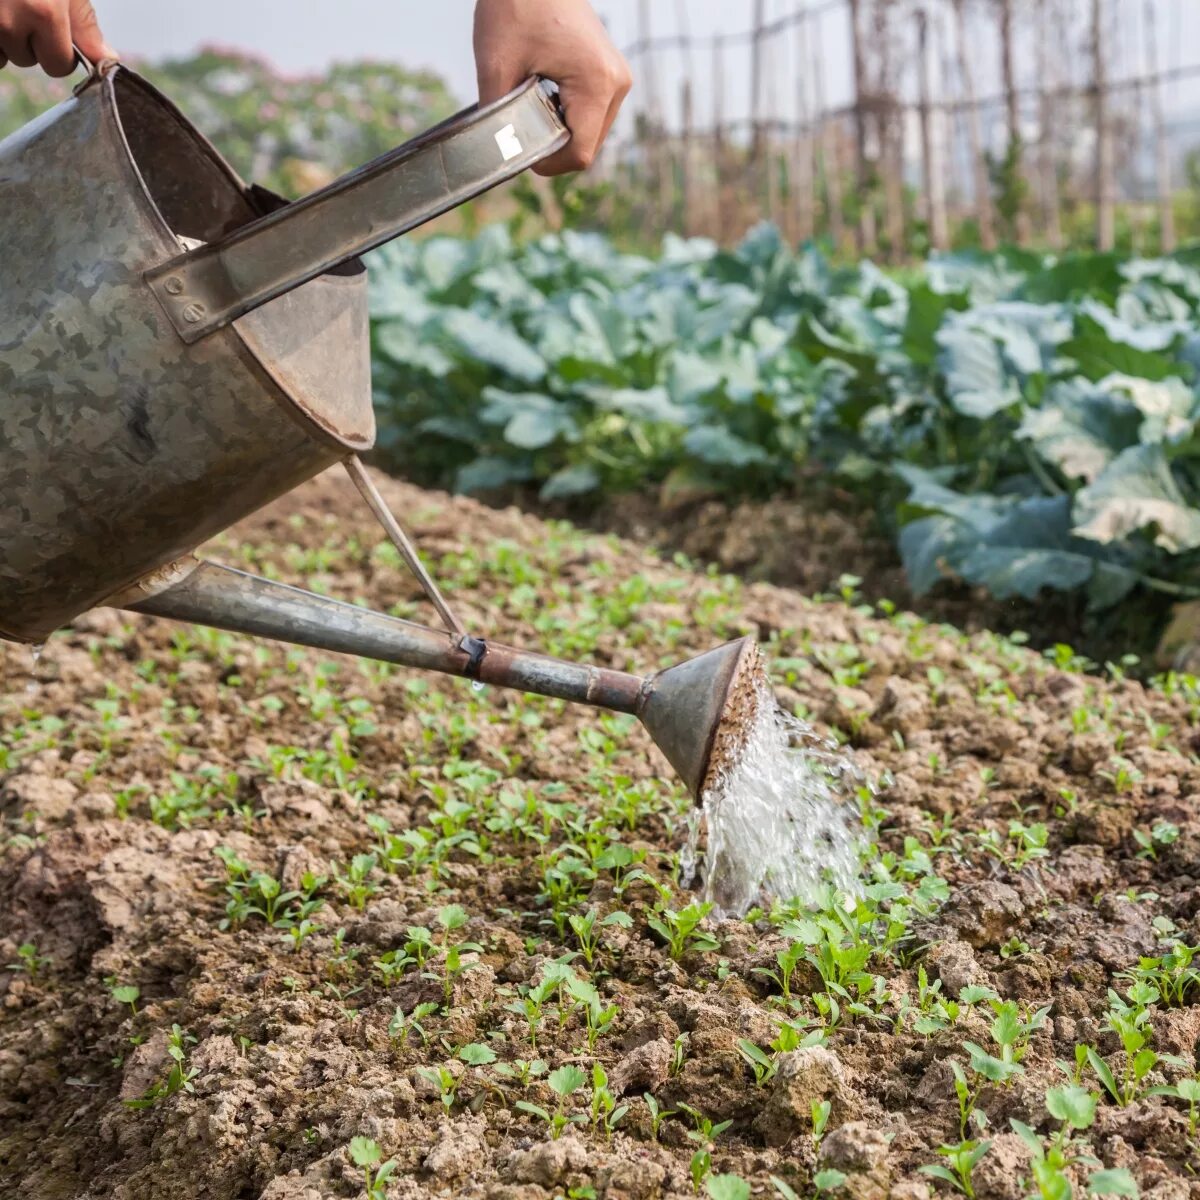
(509, 143)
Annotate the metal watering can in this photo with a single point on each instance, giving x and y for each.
(178, 349)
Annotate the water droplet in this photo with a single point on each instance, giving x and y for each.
(32, 686)
(477, 685)
(781, 819)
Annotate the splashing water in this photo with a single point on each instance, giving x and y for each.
(32, 686)
(781, 817)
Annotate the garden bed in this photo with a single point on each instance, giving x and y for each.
(1035, 833)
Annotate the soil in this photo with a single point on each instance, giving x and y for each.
(127, 718)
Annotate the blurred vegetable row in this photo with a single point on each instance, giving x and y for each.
(1022, 422)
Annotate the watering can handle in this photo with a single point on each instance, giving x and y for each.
(206, 289)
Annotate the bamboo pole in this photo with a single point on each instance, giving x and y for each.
(1162, 150)
(686, 159)
(931, 166)
(1012, 110)
(804, 161)
(1105, 183)
(720, 200)
(831, 167)
(890, 119)
(862, 171)
(1047, 164)
(982, 185)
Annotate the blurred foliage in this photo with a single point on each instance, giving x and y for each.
(288, 133)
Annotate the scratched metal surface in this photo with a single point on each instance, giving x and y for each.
(122, 448)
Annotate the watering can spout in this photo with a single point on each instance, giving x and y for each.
(696, 712)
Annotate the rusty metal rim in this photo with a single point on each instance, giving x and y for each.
(168, 243)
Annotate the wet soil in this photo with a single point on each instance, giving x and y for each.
(287, 1046)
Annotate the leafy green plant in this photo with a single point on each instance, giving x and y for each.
(179, 1077)
(564, 1083)
(681, 929)
(962, 1158)
(657, 1115)
(366, 1154)
(28, 960)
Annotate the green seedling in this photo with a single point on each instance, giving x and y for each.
(445, 1081)
(700, 1168)
(401, 1026)
(705, 1132)
(1158, 837)
(1053, 1163)
(179, 1077)
(598, 1016)
(1171, 975)
(366, 1154)
(354, 883)
(522, 1070)
(28, 960)
(586, 929)
(820, 1111)
(657, 1115)
(564, 1083)
(1187, 1090)
(761, 1063)
(963, 1158)
(727, 1187)
(606, 1113)
(681, 930)
(786, 961)
(126, 994)
(828, 1181)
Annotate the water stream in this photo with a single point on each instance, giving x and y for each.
(781, 819)
(32, 686)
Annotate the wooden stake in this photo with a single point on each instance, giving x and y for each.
(804, 154)
(1012, 109)
(1105, 182)
(1162, 151)
(831, 167)
(1047, 166)
(862, 173)
(931, 166)
(983, 187)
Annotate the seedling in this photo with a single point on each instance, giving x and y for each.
(657, 1115)
(681, 930)
(126, 994)
(564, 1083)
(445, 1081)
(180, 1076)
(762, 1064)
(1187, 1090)
(400, 1026)
(606, 1113)
(1161, 835)
(586, 929)
(28, 960)
(366, 1154)
(828, 1181)
(727, 1187)
(786, 961)
(820, 1119)
(963, 1159)
(599, 1017)
(705, 1133)
(522, 1070)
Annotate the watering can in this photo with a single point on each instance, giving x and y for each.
(178, 349)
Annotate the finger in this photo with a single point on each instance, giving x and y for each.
(51, 42)
(497, 79)
(586, 113)
(3, 60)
(19, 48)
(85, 30)
(624, 86)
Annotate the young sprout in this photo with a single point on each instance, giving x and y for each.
(681, 930)
(564, 1083)
(657, 1115)
(28, 960)
(366, 1154)
(400, 1026)
(126, 994)
(963, 1159)
(606, 1113)
(727, 1187)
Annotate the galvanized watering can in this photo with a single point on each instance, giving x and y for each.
(178, 349)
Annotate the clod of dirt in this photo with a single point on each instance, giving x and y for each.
(860, 1152)
(47, 796)
(903, 707)
(984, 913)
(547, 1164)
(645, 1069)
(461, 1149)
(953, 962)
(1003, 1168)
(805, 1077)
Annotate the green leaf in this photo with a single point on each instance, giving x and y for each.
(1138, 492)
(1073, 1104)
(727, 1187)
(1104, 1074)
(484, 341)
(977, 380)
(477, 1055)
(1097, 354)
(1116, 1181)
(716, 445)
(364, 1152)
(571, 482)
(565, 1081)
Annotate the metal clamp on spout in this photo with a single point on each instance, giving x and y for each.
(452, 163)
(475, 649)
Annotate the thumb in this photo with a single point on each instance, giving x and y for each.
(85, 32)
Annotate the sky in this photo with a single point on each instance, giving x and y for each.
(306, 35)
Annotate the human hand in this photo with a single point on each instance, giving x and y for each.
(565, 41)
(41, 32)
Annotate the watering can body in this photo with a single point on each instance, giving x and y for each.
(178, 349)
